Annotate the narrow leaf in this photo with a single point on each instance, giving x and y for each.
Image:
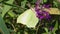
(3, 26)
(23, 3)
(12, 14)
(46, 30)
(6, 8)
(55, 27)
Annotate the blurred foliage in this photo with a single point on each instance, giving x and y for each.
(12, 11)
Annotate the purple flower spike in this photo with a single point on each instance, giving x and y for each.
(41, 14)
(47, 5)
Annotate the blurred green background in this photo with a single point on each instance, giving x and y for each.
(13, 11)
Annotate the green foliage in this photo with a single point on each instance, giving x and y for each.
(55, 28)
(23, 3)
(3, 27)
(46, 30)
(44, 1)
(11, 13)
(1, 0)
(6, 8)
(18, 18)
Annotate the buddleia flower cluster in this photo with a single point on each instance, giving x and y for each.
(40, 13)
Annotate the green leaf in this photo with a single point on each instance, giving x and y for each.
(44, 1)
(18, 32)
(33, 1)
(1, 0)
(6, 8)
(0, 10)
(23, 3)
(26, 32)
(55, 3)
(28, 18)
(55, 27)
(3, 27)
(46, 30)
(12, 14)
